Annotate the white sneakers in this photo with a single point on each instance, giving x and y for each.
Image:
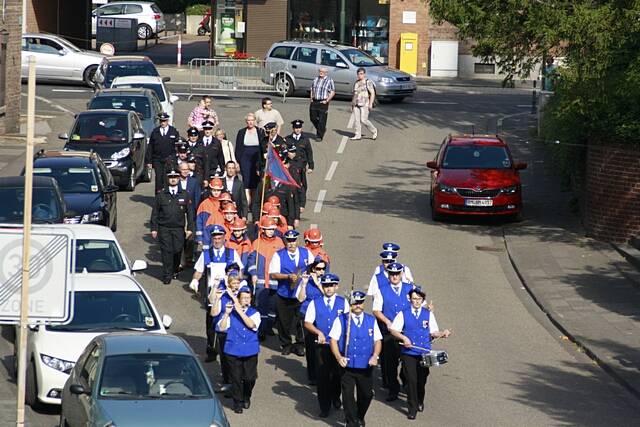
(375, 135)
(356, 137)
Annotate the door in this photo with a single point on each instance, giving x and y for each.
(304, 66)
(51, 58)
(105, 178)
(79, 409)
(343, 78)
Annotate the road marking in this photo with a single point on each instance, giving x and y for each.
(331, 171)
(343, 142)
(46, 101)
(523, 106)
(3, 164)
(313, 225)
(318, 207)
(434, 102)
(70, 90)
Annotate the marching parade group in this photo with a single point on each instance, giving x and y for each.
(231, 212)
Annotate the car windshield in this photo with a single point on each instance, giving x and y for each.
(476, 157)
(101, 128)
(129, 69)
(156, 87)
(45, 206)
(68, 45)
(98, 256)
(360, 58)
(71, 180)
(105, 311)
(139, 104)
(152, 376)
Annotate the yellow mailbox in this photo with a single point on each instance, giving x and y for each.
(409, 53)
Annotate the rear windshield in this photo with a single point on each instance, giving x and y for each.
(281, 52)
(98, 256)
(45, 207)
(155, 8)
(476, 157)
(71, 180)
(139, 104)
(129, 69)
(156, 87)
(99, 128)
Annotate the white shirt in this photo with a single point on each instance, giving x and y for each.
(216, 269)
(206, 140)
(229, 183)
(398, 321)
(310, 316)
(255, 317)
(183, 184)
(378, 300)
(373, 283)
(274, 266)
(336, 329)
(163, 131)
(173, 190)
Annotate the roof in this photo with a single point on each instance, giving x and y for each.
(104, 282)
(127, 58)
(137, 79)
(317, 42)
(18, 181)
(141, 342)
(105, 110)
(124, 91)
(81, 232)
(466, 139)
(63, 162)
(65, 157)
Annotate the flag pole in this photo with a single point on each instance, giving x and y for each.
(264, 184)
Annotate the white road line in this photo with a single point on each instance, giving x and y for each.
(70, 90)
(318, 207)
(46, 101)
(434, 102)
(331, 171)
(313, 225)
(343, 141)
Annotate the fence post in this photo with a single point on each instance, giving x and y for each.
(179, 50)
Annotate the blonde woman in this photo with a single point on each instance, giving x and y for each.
(227, 147)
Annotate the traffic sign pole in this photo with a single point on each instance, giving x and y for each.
(26, 239)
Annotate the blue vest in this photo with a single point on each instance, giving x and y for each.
(287, 266)
(227, 257)
(393, 303)
(313, 292)
(241, 341)
(417, 330)
(324, 317)
(360, 341)
(224, 299)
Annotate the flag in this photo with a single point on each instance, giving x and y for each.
(276, 169)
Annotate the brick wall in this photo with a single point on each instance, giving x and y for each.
(396, 27)
(612, 196)
(10, 121)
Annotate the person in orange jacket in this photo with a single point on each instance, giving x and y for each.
(279, 219)
(208, 207)
(229, 215)
(314, 241)
(239, 240)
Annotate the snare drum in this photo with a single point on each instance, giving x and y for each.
(434, 358)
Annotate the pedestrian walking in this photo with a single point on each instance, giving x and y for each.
(314, 241)
(271, 138)
(213, 155)
(170, 216)
(234, 186)
(304, 152)
(388, 255)
(364, 97)
(248, 155)
(268, 114)
(162, 146)
(356, 344)
(323, 90)
(193, 189)
(203, 112)
(227, 146)
(196, 148)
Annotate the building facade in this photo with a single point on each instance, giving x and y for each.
(10, 30)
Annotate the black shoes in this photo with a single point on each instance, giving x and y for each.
(286, 350)
(323, 414)
(337, 403)
(246, 404)
(411, 415)
(298, 350)
(211, 357)
(392, 398)
(237, 408)
(166, 280)
(420, 407)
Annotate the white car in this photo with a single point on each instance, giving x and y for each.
(58, 59)
(150, 82)
(150, 17)
(102, 303)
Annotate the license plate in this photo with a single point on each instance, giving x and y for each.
(407, 86)
(478, 202)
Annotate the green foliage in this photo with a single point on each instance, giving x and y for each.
(197, 9)
(175, 6)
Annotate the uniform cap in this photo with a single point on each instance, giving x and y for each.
(388, 255)
(270, 125)
(230, 208)
(268, 223)
(207, 125)
(193, 131)
(395, 267)
(225, 197)
(297, 123)
(274, 200)
(291, 147)
(291, 235)
(390, 247)
(233, 267)
(217, 229)
(173, 173)
(244, 290)
(266, 206)
(417, 290)
(239, 224)
(216, 184)
(357, 297)
(329, 279)
(182, 148)
(191, 158)
(313, 235)
(163, 116)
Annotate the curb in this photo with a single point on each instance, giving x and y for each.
(601, 363)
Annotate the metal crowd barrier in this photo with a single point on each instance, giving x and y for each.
(251, 75)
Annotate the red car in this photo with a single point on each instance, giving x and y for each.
(475, 175)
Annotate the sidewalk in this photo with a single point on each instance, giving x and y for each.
(585, 287)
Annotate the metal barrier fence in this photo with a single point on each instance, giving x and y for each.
(209, 75)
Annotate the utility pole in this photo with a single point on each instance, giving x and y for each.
(343, 19)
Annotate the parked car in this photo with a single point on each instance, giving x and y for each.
(143, 101)
(292, 65)
(150, 82)
(150, 17)
(475, 175)
(139, 379)
(58, 60)
(119, 66)
(48, 206)
(86, 184)
(118, 137)
(102, 303)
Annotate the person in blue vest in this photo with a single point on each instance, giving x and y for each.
(415, 326)
(319, 317)
(286, 267)
(241, 322)
(309, 289)
(356, 345)
(392, 297)
(388, 255)
(215, 259)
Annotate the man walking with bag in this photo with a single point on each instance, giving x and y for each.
(364, 96)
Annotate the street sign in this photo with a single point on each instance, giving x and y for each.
(50, 278)
(122, 23)
(107, 49)
(106, 22)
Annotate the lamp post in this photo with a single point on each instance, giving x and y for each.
(343, 19)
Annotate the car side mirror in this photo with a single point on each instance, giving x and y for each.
(62, 52)
(166, 79)
(78, 389)
(432, 164)
(138, 265)
(63, 136)
(173, 98)
(520, 166)
(34, 328)
(111, 188)
(138, 135)
(341, 64)
(166, 321)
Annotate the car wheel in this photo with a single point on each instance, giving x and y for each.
(31, 393)
(88, 74)
(202, 31)
(144, 32)
(436, 216)
(146, 174)
(131, 184)
(284, 85)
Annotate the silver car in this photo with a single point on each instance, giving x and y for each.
(293, 65)
(57, 59)
(150, 17)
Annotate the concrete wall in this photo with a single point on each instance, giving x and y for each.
(11, 31)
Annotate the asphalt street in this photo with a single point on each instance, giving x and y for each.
(508, 365)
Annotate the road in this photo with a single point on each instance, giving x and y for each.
(508, 365)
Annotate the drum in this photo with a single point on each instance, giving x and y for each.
(434, 358)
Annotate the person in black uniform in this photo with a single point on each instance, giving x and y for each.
(213, 154)
(196, 148)
(288, 201)
(161, 147)
(169, 216)
(182, 153)
(296, 166)
(305, 152)
(272, 137)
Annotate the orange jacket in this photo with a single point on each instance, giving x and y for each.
(263, 249)
(319, 252)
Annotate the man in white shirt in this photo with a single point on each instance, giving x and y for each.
(268, 114)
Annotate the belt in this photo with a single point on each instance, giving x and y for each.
(319, 100)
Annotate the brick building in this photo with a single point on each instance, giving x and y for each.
(70, 19)
(10, 31)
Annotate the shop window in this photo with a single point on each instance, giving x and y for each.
(484, 68)
(306, 54)
(329, 58)
(282, 52)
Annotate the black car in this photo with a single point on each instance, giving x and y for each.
(48, 206)
(126, 65)
(118, 137)
(86, 184)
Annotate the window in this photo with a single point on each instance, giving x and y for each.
(306, 54)
(88, 373)
(360, 58)
(101, 128)
(98, 256)
(131, 9)
(139, 104)
(483, 68)
(476, 157)
(282, 52)
(155, 8)
(39, 45)
(70, 179)
(112, 9)
(330, 58)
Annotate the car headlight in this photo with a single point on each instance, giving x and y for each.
(513, 189)
(446, 189)
(92, 217)
(57, 364)
(121, 154)
(385, 80)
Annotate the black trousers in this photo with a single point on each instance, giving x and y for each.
(221, 338)
(243, 372)
(360, 379)
(212, 335)
(189, 251)
(318, 113)
(390, 361)
(288, 321)
(159, 169)
(171, 243)
(327, 375)
(415, 381)
(310, 352)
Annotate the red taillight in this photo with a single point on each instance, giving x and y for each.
(157, 17)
